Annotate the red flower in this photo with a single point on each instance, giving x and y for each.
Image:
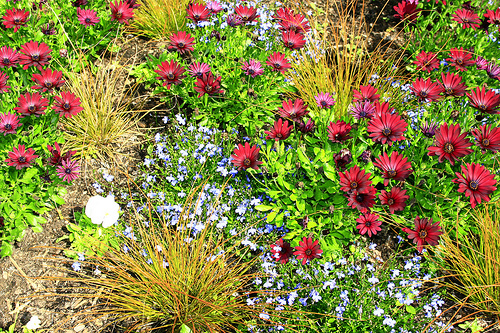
(395, 199)
(467, 18)
(15, 18)
(395, 167)
(207, 84)
(8, 123)
(493, 16)
(487, 137)
(57, 157)
(278, 62)
(307, 250)
(425, 233)
(387, 128)
(87, 17)
(368, 223)
(67, 105)
(294, 22)
(305, 127)
(362, 110)
(197, 12)
(484, 101)
(69, 170)
(293, 40)
(451, 145)
(355, 180)
(460, 59)
(252, 67)
(406, 11)
(20, 158)
(381, 108)
(282, 251)
(477, 183)
(121, 11)
(181, 42)
(426, 90)
(365, 94)
(246, 157)
(481, 63)
(426, 61)
(293, 110)
(279, 131)
(452, 85)
(31, 104)
(342, 158)
(170, 72)
(3, 82)
(197, 69)
(493, 70)
(34, 55)
(363, 201)
(8, 57)
(339, 131)
(47, 80)
(247, 14)
(324, 100)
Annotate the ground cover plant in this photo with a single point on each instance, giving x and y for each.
(279, 183)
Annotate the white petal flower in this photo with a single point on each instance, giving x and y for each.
(102, 210)
(34, 323)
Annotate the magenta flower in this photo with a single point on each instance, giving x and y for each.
(121, 12)
(278, 62)
(68, 105)
(69, 170)
(3, 82)
(8, 57)
(87, 17)
(8, 123)
(324, 100)
(31, 104)
(197, 69)
(20, 158)
(253, 68)
(34, 54)
(47, 80)
(15, 18)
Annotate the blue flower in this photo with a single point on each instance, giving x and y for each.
(98, 188)
(389, 321)
(165, 119)
(76, 266)
(81, 256)
(180, 120)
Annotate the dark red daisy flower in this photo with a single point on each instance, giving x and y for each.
(181, 42)
(451, 145)
(15, 18)
(487, 137)
(8, 57)
(293, 40)
(245, 157)
(208, 84)
(493, 16)
(476, 182)
(467, 18)
(79, 3)
(395, 199)
(425, 233)
(47, 80)
(387, 128)
(395, 167)
(305, 127)
(427, 61)
(57, 157)
(3, 82)
(366, 94)
(234, 20)
(362, 201)
(87, 17)
(363, 110)
(247, 14)
(293, 110)
(282, 13)
(493, 70)
(294, 22)
(368, 223)
(170, 72)
(252, 68)
(34, 54)
(355, 180)
(308, 250)
(278, 62)
(342, 158)
(48, 30)
(68, 171)
(121, 11)
(429, 129)
(486, 101)
(8, 123)
(132, 4)
(67, 105)
(20, 157)
(280, 130)
(381, 108)
(282, 251)
(460, 59)
(426, 91)
(452, 85)
(339, 131)
(31, 104)
(197, 12)
(324, 100)
(481, 63)
(406, 11)
(197, 69)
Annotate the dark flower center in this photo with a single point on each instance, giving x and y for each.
(485, 142)
(337, 136)
(119, 15)
(390, 201)
(391, 173)
(22, 159)
(196, 16)
(67, 171)
(66, 106)
(362, 114)
(482, 106)
(289, 44)
(244, 18)
(474, 185)
(31, 108)
(308, 252)
(251, 71)
(354, 185)
(422, 234)
(448, 148)
(170, 76)
(449, 91)
(277, 66)
(48, 84)
(87, 20)
(360, 198)
(181, 45)
(35, 57)
(199, 74)
(465, 20)
(386, 131)
(247, 162)
(323, 103)
(6, 61)
(8, 126)
(208, 88)
(459, 61)
(368, 224)
(279, 135)
(17, 21)
(423, 93)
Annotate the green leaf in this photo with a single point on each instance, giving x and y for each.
(185, 329)
(5, 249)
(30, 173)
(263, 208)
(411, 309)
(301, 205)
(271, 216)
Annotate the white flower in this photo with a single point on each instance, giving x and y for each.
(34, 323)
(102, 210)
